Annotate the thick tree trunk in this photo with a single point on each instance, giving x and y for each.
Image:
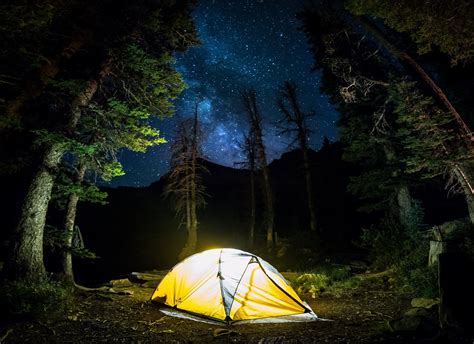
(25, 261)
(405, 206)
(26, 258)
(190, 246)
(70, 219)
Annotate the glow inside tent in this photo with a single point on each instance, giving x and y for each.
(232, 286)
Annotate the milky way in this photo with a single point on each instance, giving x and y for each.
(245, 43)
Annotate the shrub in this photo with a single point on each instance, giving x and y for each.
(326, 278)
(405, 250)
(43, 299)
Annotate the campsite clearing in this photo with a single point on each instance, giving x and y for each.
(123, 315)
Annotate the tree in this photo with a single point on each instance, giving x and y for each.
(184, 182)
(131, 65)
(460, 172)
(432, 147)
(250, 152)
(447, 25)
(295, 122)
(357, 79)
(249, 101)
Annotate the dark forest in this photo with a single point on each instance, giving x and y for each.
(188, 171)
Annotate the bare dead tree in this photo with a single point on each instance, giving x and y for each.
(184, 182)
(250, 151)
(294, 122)
(249, 101)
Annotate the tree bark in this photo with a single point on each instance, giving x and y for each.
(25, 261)
(70, 219)
(405, 206)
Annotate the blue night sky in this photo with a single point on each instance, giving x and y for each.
(245, 43)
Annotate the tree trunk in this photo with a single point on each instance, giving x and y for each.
(69, 222)
(26, 258)
(437, 91)
(25, 261)
(467, 189)
(250, 104)
(405, 206)
(191, 229)
(267, 189)
(270, 212)
(191, 206)
(190, 246)
(251, 237)
(309, 191)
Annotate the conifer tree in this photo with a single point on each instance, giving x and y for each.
(123, 67)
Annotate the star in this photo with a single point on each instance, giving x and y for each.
(245, 44)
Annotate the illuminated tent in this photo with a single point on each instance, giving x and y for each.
(231, 285)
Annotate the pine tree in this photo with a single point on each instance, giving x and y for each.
(127, 66)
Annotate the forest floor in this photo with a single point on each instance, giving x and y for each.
(124, 315)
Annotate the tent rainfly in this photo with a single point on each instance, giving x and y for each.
(232, 286)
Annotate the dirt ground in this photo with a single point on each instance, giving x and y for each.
(357, 316)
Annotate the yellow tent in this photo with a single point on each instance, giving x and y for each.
(229, 285)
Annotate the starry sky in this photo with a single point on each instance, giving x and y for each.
(245, 43)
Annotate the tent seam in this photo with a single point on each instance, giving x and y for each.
(238, 284)
(219, 274)
(279, 287)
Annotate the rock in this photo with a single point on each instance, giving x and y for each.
(121, 283)
(420, 302)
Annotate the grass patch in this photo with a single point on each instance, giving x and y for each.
(330, 279)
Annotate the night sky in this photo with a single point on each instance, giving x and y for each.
(245, 43)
